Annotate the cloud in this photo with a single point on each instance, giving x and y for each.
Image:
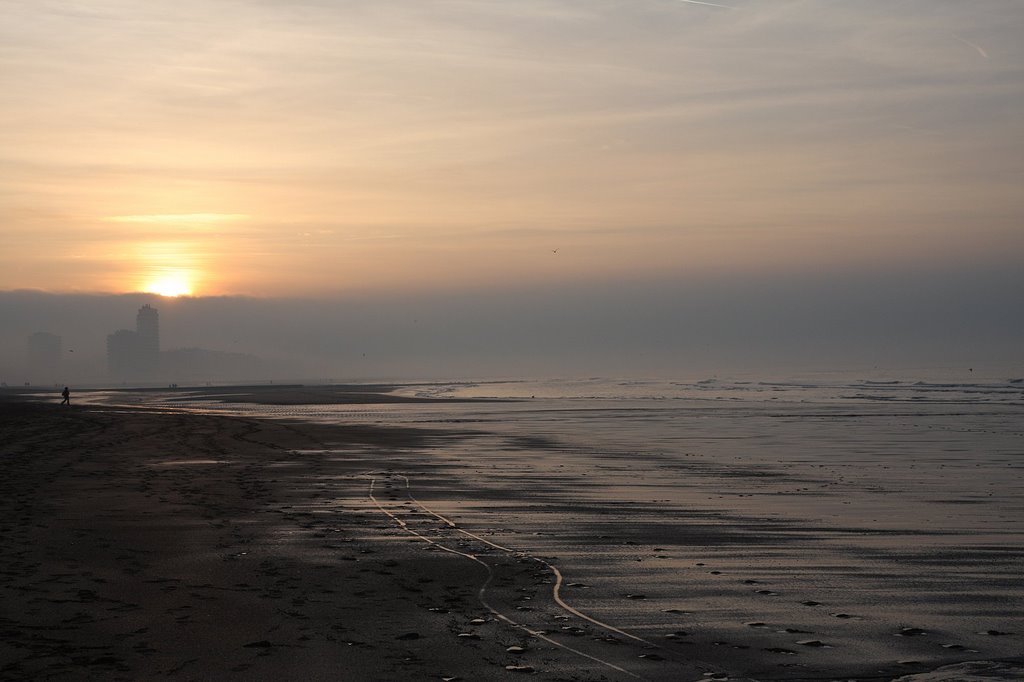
(708, 4)
(980, 50)
(476, 125)
(180, 219)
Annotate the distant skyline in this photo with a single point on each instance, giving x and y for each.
(355, 148)
(966, 326)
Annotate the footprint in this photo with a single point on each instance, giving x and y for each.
(812, 643)
(910, 632)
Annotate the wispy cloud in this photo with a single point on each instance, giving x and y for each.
(180, 219)
(709, 4)
(978, 48)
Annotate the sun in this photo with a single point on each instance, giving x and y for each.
(169, 284)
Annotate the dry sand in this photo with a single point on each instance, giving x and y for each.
(137, 544)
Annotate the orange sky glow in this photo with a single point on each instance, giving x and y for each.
(305, 149)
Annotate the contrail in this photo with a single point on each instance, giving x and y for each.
(709, 4)
(965, 42)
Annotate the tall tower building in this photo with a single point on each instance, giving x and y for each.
(147, 328)
(135, 355)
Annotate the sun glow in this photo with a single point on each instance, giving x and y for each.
(170, 284)
(167, 268)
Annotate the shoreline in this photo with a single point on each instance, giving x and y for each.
(263, 394)
(138, 543)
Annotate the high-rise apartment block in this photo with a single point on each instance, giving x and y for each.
(147, 327)
(136, 354)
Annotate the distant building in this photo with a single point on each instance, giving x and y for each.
(136, 354)
(147, 327)
(44, 355)
(123, 354)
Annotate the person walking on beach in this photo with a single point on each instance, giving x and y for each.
(67, 396)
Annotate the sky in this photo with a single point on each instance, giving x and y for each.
(364, 153)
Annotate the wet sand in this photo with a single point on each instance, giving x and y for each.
(143, 543)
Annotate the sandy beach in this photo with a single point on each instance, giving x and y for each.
(140, 543)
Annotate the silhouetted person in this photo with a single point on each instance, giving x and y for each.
(67, 396)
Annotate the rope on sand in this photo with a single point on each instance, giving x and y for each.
(490, 576)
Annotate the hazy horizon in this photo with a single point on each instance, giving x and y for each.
(641, 328)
